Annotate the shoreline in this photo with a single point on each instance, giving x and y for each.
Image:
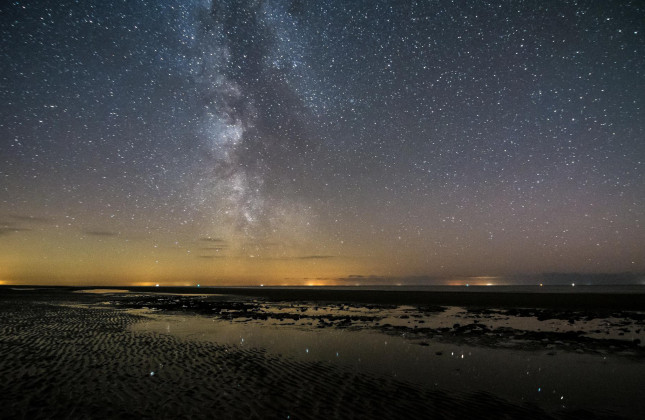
(458, 297)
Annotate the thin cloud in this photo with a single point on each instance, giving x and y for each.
(34, 219)
(362, 279)
(103, 233)
(315, 257)
(303, 257)
(5, 230)
(385, 280)
(209, 239)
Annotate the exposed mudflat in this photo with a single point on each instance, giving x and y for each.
(145, 355)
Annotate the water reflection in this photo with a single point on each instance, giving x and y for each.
(385, 341)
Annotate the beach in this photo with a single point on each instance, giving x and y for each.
(303, 353)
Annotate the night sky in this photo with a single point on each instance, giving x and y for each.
(320, 142)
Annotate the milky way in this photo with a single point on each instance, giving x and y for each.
(320, 142)
(249, 119)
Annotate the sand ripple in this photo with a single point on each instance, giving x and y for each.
(75, 362)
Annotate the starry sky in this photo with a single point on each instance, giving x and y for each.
(320, 142)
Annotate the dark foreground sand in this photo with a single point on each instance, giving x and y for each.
(70, 355)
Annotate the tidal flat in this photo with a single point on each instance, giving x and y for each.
(231, 353)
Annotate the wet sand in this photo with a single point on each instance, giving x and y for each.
(121, 355)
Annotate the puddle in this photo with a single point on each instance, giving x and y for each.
(537, 377)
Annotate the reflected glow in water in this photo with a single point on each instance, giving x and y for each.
(520, 376)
